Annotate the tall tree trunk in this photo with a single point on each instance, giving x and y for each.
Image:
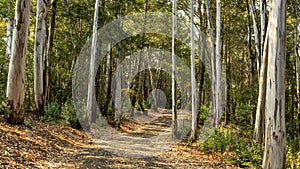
(118, 90)
(261, 104)
(16, 74)
(218, 66)
(174, 92)
(49, 50)
(252, 59)
(296, 52)
(212, 58)
(40, 52)
(275, 134)
(91, 83)
(193, 80)
(262, 67)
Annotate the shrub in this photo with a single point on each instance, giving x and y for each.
(52, 112)
(293, 153)
(69, 115)
(204, 111)
(246, 154)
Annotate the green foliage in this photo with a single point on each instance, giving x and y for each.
(68, 113)
(293, 153)
(52, 112)
(204, 111)
(292, 158)
(229, 141)
(243, 116)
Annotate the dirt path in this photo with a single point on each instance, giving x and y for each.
(41, 145)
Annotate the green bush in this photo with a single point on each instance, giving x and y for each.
(246, 154)
(204, 111)
(52, 112)
(69, 115)
(293, 153)
(292, 158)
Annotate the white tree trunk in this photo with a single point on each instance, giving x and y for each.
(16, 74)
(193, 80)
(256, 35)
(40, 52)
(261, 68)
(218, 66)
(296, 52)
(213, 57)
(174, 92)
(91, 83)
(275, 134)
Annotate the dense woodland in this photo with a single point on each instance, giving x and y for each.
(243, 70)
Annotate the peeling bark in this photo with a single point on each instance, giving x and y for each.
(275, 133)
(16, 74)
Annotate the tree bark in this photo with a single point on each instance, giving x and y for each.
(275, 134)
(40, 52)
(296, 52)
(49, 50)
(218, 66)
(193, 80)
(212, 58)
(174, 92)
(16, 74)
(262, 67)
(91, 83)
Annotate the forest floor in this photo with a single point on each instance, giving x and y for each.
(49, 145)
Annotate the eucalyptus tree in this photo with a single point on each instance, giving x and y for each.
(50, 43)
(174, 92)
(91, 80)
(216, 64)
(15, 92)
(193, 80)
(261, 67)
(275, 52)
(296, 53)
(40, 54)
